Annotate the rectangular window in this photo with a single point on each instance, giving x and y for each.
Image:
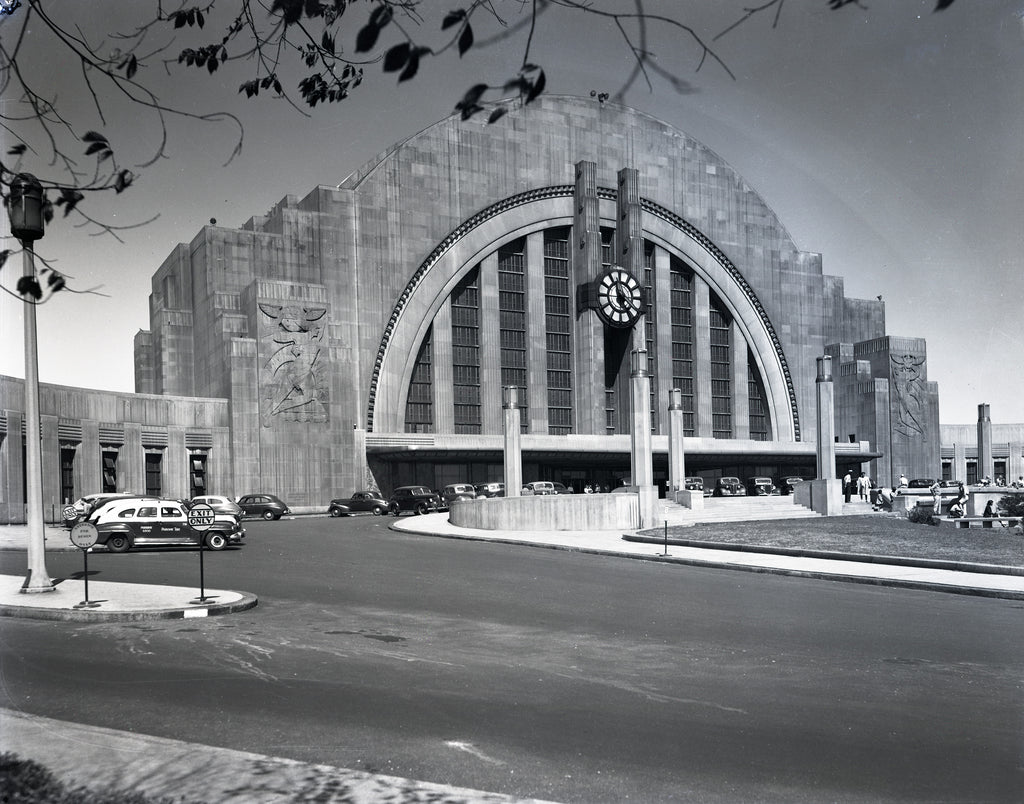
(109, 471)
(760, 421)
(512, 320)
(419, 408)
(721, 370)
(466, 353)
(67, 474)
(154, 472)
(558, 313)
(197, 473)
(681, 303)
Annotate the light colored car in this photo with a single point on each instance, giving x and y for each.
(85, 505)
(458, 491)
(152, 522)
(540, 487)
(220, 505)
(490, 489)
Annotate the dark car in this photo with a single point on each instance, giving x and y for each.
(760, 486)
(694, 484)
(360, 502)
(788, 483)
(265, 505)
(151, 522)
(490, 489)
(414, 499)
(454, 492)
(729, 487)
(561, 488)
(922, 483)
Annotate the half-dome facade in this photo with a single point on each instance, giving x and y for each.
(363, 334)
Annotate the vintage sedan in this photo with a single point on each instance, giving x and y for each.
(729, 487)
(265, 505)
(694, 484)
(760, 486)
(414, 499)
(490, 490)
(151, 522)
(220, 505)
(362, 502)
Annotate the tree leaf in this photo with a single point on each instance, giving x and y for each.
(465, 39)
(498, 113)
(412, 66)
(96, 146)
(473, 95)
(4, 255)
(453, 18)
(29, 286)
(381, 16)
(537, 88)
(327, 42)
(18, 149)
(133, 66)
(367, 38)
(124, 179)
(396, 57)
(943, 4)
(92, 136)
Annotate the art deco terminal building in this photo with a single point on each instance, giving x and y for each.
(362, 334)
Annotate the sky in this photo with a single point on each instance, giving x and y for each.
(890, 139)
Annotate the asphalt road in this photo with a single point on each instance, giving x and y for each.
(549, 674)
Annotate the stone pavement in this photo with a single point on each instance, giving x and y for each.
(85, 754)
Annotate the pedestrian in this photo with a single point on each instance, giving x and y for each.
(936, 491)
(904, 482)
(863, 486)
(988, 514)
(847, 486)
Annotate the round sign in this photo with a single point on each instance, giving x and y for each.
(200, 517)
(83, 535)
(69, 512)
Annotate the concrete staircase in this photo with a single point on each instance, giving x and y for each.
(735, 509)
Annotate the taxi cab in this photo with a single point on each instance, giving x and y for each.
(152, 522)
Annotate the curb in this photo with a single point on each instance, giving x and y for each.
(246, 602)
(927, 586)
(864, 558)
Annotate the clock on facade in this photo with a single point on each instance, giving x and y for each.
(619, 298)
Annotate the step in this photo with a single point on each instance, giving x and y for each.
(736, 509)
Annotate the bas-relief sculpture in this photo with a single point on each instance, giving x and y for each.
(911, 399)
(293, 373)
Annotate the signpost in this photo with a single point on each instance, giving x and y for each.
(201, 518)
(83, 536)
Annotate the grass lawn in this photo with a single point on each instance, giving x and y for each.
(880, 535)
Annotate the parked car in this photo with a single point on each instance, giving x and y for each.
(85, 505)
(694, 484)
(265, 505)
(729, 487)
(455, 492)
(787, 484)
(540, 487)
(414, 499)
(760, 486)
(921, 483)
(490, 489)
(361, 502)
(561, 488)
(220, 505)
(148, 522)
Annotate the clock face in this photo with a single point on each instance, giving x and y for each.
(619, 298)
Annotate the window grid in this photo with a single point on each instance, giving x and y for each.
(419, 407)
(558, 326)
(512, 319)
(197, 473)
(465, 301)
(760, 422)
(154, 467)
(650, 308)
(109, 471)
(67, 474)
(682, 340)
(721, 372)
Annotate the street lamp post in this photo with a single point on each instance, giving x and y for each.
(25, 208)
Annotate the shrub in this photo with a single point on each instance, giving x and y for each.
(25, 781)
(921, 516)
(1011, 505)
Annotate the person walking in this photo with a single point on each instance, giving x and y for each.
(863, 486)
(936, 491)
(847, 486)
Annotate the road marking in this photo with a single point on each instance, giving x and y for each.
(469, 749)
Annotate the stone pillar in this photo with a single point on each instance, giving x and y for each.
(585, 255)
(826, 420)
(676, 456)
(702, 419)
(986, 464)
(641, 453)
(513, 453)
(823, 495)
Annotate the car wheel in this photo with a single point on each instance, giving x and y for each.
(118, 543)
(421, 508)
(269, 515)
(378, 510)
(394, 510)
(335, 512)
(216, 541)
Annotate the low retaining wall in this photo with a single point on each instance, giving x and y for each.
(555, 512)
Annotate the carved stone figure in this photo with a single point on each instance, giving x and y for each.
(911, 399)
(293, 382)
